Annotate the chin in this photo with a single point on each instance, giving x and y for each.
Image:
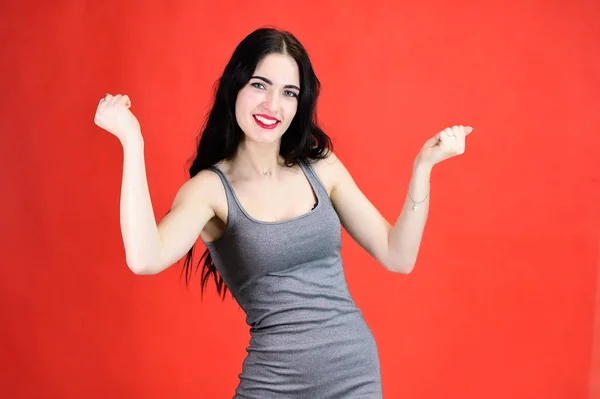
(262, 139)
(263, 136)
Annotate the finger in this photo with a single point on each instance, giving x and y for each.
(102, 105)
(433, 141)
(443, 139)
(459, 131)
(460, 139)
(107, 98)
(124, 100)
(456, 132)
(115, 99)
(448, 133)
(462, 130)
(104, 102)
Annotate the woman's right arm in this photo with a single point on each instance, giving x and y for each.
(151, 248)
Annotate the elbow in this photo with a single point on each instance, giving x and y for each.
(407, 269)
(140, 269)
(400, 261)
(401, 267)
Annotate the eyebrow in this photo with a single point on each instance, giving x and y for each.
(269, 82)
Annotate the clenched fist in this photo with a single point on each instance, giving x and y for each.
(114, 116)
(446, 144)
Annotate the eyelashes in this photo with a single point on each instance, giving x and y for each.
(287, 93)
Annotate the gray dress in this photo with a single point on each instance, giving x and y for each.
(308, 338)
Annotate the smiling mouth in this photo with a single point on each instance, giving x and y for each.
(266, 123)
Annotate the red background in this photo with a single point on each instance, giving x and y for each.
(503, 298)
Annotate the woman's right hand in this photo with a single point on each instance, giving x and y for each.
(114, 116)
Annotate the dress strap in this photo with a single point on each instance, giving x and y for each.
(232, 208)
(314, 180)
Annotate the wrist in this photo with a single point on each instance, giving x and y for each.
(421, 167)
(132, 139)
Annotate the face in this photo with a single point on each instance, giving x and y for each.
(267, 104)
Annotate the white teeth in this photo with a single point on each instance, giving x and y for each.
(265, 121)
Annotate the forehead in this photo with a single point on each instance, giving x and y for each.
(281, 69)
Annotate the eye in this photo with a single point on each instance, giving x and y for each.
(258, 85)
(289, 93)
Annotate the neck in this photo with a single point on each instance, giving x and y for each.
(258, 159)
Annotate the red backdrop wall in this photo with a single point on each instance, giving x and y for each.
(501, 303)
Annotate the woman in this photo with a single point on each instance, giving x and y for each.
(268, 197)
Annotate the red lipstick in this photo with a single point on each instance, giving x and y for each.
(268, 118)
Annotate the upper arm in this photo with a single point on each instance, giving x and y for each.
(192, 208)
(359, 217)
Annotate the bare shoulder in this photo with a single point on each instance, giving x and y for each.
(205, 188)
(195, 204)
(331, 171)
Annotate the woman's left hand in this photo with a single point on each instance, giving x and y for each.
(446, 144)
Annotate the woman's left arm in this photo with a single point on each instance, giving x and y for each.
(395, 247)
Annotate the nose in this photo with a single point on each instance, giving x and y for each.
(272, 102)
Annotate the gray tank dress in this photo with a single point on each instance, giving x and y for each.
(308, 338)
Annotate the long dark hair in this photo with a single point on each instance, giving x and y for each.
(221, 135)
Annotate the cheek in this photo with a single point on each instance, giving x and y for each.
(290, 110)
(250, 102)
(243, 105)
(241, 102)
